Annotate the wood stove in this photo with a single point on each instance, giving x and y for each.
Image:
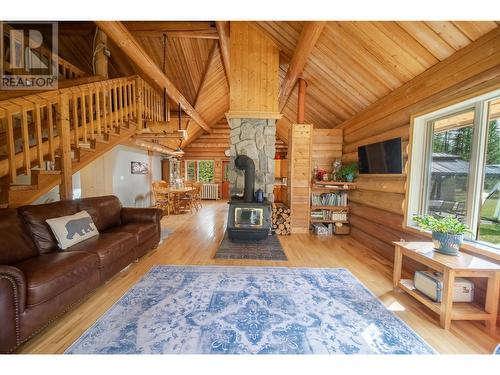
(248, 220)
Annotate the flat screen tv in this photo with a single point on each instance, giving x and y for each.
(381, 158)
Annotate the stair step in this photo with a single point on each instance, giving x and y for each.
(44, 172)
(23, 187)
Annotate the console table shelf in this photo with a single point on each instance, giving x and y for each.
(461, 265)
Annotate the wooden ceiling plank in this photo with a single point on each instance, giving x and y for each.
(388, 54)
(337, 35)
(116, 31)
(476, 29)
(223, 30)
(428, 38)
(449, 33)
(307, 40)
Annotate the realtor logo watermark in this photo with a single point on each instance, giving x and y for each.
(29, 55)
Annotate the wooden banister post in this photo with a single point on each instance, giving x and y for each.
(139, 103)
(101, 58)
(63, 130)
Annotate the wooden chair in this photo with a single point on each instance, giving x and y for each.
(163, 199)
(197, 195)
(182, 203)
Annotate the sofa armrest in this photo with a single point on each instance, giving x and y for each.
(12, 304)
(151, 215)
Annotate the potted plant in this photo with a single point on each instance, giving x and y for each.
(447, 232)
(348, 172)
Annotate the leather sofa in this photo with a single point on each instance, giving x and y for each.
(39, 282)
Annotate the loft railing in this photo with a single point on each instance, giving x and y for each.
(30, 125)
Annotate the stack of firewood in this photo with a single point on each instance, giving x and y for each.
(281, 219)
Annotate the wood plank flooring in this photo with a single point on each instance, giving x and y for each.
(194, 241)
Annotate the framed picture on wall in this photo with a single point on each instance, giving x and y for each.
(138, 167)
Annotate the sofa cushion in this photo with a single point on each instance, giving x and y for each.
(105, 211)
(72, 229)
(140, 230)
(34, 217)
(48, 275)
(109, 247)
(16, 243)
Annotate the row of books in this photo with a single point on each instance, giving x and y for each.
(328, 215)
(329, 199)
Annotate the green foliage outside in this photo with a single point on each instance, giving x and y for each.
(206, 171)
(459, 142)
(191, 170)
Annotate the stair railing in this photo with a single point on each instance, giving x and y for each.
(28, 125)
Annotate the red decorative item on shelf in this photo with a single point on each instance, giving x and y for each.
(319, 174)
(277, 156)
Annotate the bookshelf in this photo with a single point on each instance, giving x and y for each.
(330, 205)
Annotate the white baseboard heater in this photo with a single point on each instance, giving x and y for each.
(210, 191)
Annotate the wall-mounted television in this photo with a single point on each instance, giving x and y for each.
(381, 157)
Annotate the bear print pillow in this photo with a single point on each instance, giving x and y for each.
(72, 229)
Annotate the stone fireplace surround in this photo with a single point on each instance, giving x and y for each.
(256, 139)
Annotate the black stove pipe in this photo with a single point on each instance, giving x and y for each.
(246, 164)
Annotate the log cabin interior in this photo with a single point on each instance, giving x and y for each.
(247, 187)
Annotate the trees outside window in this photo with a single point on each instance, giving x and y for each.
(200, 170)
(455, 166)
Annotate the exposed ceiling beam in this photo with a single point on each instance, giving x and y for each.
(84, 27)
(117, 32)
(223, 30)
(190, 34)
(307, 40)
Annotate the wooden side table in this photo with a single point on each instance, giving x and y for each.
(462, 265)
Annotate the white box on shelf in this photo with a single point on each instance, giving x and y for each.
(430, 283)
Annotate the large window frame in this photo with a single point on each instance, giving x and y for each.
(420, 158)
(197, 169)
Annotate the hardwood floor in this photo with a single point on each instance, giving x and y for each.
(195, 239)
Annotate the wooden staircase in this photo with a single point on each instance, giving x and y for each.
(83, 121)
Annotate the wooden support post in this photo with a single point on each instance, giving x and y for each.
(63, 130)
(301, 106)
(101, 58)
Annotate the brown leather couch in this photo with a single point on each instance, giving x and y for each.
(39, 282)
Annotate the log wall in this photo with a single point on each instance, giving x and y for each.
(377, 205)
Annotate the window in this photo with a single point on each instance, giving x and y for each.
(200, 170)
(455, 166)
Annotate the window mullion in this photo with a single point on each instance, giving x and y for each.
(476, 168)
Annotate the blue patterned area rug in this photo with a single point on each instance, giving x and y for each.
(249, 310)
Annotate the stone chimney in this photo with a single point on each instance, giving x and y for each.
(256, 139)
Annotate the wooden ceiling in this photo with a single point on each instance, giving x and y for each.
(352, 65)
